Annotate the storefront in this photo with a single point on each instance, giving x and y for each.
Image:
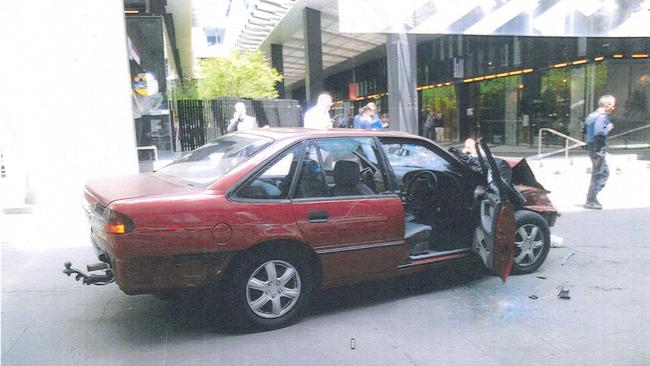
(508, 88)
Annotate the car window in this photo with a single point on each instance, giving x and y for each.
(346, 166)
(407, 156)
(311, 181)
(274, 181)
(210, 162)
(414, 156)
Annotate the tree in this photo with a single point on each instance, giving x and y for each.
(243, 74)
(186, 90)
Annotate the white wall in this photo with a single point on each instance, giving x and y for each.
(65, 113)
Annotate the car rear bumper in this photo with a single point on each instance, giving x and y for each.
(139, 275)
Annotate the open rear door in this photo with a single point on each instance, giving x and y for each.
(494, 238)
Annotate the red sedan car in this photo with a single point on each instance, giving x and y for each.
(271, 215)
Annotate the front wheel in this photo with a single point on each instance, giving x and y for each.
(532, 242)
(270, 290)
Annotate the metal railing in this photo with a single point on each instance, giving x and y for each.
(566, 148)
(579, 143)
(626, 145)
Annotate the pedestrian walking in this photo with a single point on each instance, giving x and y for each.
(597, 127)
(240, 120)
(319, 115)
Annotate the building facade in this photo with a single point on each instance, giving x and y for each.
(506, 88)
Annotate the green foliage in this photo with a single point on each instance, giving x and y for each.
(600, 79)
(439, 99)
(493, 96)
(243, 74)
(187, 90)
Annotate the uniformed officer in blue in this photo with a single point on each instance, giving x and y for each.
(597, 127)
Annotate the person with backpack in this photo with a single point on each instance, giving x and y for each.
(597, 127)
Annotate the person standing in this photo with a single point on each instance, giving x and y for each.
(439, 123)
(319, 115)
(385, 120)
(240, 120)
(366, 119)
(597, 127)
(356, 122)
(429, 124)
(344, 121)
(375, 121)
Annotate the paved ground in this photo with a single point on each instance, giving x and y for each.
(452, 316)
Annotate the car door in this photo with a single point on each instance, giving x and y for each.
(358, 231)
(494, 238)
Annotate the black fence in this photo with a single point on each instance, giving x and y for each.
(202, 121)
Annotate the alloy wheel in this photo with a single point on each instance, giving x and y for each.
(529, 245)
(273, 289)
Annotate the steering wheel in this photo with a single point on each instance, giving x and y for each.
(420, 189)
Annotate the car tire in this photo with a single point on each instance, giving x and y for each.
(261, 300)
(532, 242)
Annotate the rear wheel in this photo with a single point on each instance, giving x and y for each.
(532, 242)
(270, 290)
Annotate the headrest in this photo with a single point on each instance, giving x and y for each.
(346, 172)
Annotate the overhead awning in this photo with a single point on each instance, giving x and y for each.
(285, 27)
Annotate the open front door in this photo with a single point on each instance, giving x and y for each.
(494, 238)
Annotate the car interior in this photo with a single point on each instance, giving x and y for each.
(439, 205)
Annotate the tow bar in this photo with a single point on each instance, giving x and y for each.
(91, 279)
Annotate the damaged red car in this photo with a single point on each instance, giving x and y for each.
(272, 215)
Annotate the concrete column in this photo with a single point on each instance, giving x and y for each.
(511, 112)
(313, 55)
(531, 92)
(465, 94)
(578, 102)
(402, 82)
(277, 63)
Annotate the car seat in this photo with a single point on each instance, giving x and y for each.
(347, 175)
(311, 183)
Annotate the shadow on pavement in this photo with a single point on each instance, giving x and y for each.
(201, 312)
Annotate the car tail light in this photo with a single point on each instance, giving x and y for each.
(117, 223)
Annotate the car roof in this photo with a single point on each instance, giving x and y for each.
(298, 133)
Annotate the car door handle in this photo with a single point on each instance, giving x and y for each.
(317, 216)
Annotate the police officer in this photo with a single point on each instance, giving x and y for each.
(597, 127)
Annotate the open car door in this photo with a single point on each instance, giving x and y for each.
(494, 238)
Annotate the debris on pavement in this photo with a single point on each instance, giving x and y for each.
(567, 257)
(353, 343)
(534, 297)
(564, 294)
(607, 288)
(541, 277)
(557, 241)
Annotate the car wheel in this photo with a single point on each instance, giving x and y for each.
(532, 242)
(270, 290)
